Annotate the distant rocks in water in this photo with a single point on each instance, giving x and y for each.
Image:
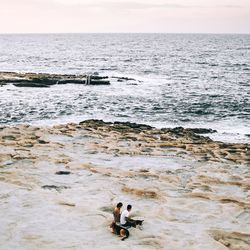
(31, 84)
(130, 81)
(121, 79)
(44, 80)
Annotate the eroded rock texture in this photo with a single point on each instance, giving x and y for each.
(58, 186)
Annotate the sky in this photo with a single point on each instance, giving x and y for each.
(153, 16)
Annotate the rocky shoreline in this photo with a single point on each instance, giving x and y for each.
(46, 80)
(59, 185)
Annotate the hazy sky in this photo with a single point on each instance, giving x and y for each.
(205, 16)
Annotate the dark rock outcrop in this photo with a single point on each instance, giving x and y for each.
(117, 125)
(121, 79)
(44, 80)
(202, 130)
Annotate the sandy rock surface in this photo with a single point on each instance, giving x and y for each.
(58, 186)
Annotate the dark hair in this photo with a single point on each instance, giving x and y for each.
(129, 207)
(119, 205)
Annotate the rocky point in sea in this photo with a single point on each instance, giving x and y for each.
(46, 80)
(59, 184)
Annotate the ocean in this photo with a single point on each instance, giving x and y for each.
(189, 80)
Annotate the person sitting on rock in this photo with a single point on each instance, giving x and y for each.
(117, 212)
(126, 221)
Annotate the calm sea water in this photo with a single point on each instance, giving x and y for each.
(180, 80)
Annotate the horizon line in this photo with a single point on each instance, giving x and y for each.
(68, 33)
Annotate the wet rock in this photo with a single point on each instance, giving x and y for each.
(187, 133)
(63, 172)
(120, 79)
(31, 84)
(91, 82)
(97, 77)
(132, 125)
(116, 125)
(43, 80)
(94, 123)
(99, 82)
(202, 130)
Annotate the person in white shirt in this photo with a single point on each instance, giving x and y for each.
(125, 220)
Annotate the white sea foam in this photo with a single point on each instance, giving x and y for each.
(179, 80)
